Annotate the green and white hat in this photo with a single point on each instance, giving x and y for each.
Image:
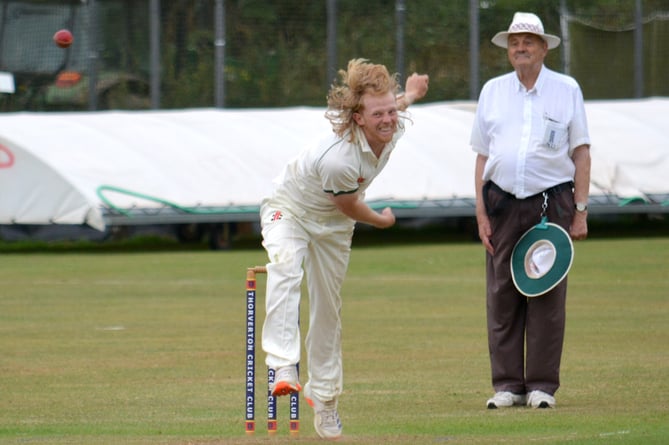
(541, 259)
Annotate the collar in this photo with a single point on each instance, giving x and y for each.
(361, 140)
(538, 85)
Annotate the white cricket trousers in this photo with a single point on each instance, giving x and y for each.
(323, 247)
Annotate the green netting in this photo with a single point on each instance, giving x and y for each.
(602, 59)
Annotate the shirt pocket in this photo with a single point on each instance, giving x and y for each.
(555, 133)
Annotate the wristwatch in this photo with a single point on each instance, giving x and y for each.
(581, 206)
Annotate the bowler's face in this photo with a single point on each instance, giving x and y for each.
(526, 51)
(378, 119)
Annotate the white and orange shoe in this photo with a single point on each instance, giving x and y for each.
(326, 418)
(285, 381)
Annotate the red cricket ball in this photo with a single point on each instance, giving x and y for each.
(63, 38)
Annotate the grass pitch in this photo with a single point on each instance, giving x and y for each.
(147, 348)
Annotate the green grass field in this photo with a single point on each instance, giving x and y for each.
(147, 348)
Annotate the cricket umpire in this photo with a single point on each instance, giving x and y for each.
(531, 138)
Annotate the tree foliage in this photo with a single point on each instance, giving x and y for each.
(276, 50)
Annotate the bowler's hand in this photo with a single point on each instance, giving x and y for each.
(387, 218)
(416, 87)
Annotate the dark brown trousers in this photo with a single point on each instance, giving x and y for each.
(516, 322)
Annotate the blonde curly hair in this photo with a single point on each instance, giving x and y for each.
(345, 98)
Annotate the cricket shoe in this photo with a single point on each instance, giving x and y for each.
(285, 381)
(539, 399)
(326, 417)
(504, 399)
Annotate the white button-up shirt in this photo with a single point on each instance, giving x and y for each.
(529, 135)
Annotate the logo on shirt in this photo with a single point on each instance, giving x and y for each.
(361, 180)
(276, 216)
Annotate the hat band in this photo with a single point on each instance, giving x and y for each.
(526, 27)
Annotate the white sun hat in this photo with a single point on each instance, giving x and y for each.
(525, 22)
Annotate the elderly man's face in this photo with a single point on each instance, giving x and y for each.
(526, 51)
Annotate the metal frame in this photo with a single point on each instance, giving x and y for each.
(444, 208)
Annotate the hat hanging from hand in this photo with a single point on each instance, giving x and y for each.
(541, 259)
(525, 22)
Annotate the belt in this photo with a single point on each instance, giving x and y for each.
(556, 189)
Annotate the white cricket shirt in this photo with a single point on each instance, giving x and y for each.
(332, 167)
